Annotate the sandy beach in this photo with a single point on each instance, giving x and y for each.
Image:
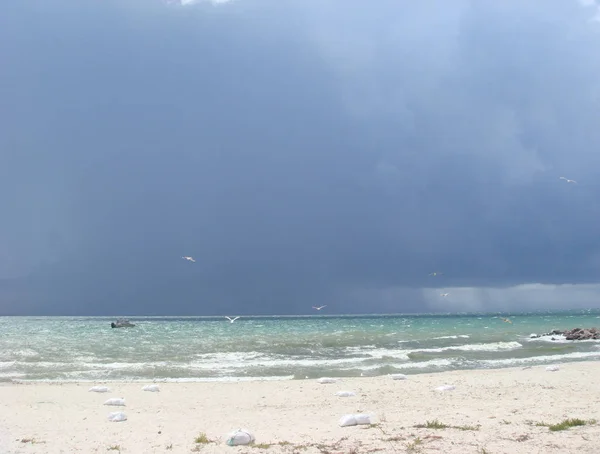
(489, 411)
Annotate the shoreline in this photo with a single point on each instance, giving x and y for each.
(594, 357)
(339, 379)
(490, 410)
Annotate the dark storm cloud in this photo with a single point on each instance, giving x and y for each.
(491, 106)
(303, 152)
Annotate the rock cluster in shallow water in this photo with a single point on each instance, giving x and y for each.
(574, 334)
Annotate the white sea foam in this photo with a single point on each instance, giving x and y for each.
(25, 353)
(232, 363)
(490, 347)
(432, 364)
(275, 362)
(457, 336)
(538, 359)
(360, 349)
(161, 380)
(560, 339)
(7, 376)
(190, 366)
(383, 353)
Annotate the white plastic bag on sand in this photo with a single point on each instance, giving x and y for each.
(324, 380)
(345, 394)
(240, 437)
(117, 416)
(115, 401)
(347, 420)
(552, 368)
(362, 419)
(353, 420)
(151, 388)
(445, 388)
(399, 377)
(99, 389)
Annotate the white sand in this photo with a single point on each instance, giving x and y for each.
(69, 419)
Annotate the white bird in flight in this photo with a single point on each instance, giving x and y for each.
(319, 307)
(231, 320)
(189, 259)
(435, 273)
(444, 294)
(567, 180)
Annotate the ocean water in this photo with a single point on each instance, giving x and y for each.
(278, 348)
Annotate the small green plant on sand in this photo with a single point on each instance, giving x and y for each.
(537, 424)
(435, 424)
(373, 426)
(563, 425)
(202, 439)
(572, 422)
(414, 446)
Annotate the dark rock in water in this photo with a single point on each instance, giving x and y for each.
(575, 334)
(582, 334)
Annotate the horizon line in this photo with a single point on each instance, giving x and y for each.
(375, 314)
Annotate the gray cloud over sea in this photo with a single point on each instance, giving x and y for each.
(304, 152)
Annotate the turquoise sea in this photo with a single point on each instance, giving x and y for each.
(212, 348)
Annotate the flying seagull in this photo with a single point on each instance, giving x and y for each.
(506, 320)
(319, 307)
(435, 273)
(189, 259)
(231, 320)
(444, 294)
(567, 180)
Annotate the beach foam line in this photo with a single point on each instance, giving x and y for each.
(487, 347)
(231, 362)
(227, 361)
(435, 365)
(382, 353)
(538, 359)
(156, 380)
(431, 364)
(460, 363)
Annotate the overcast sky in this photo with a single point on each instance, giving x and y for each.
(304, 152)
